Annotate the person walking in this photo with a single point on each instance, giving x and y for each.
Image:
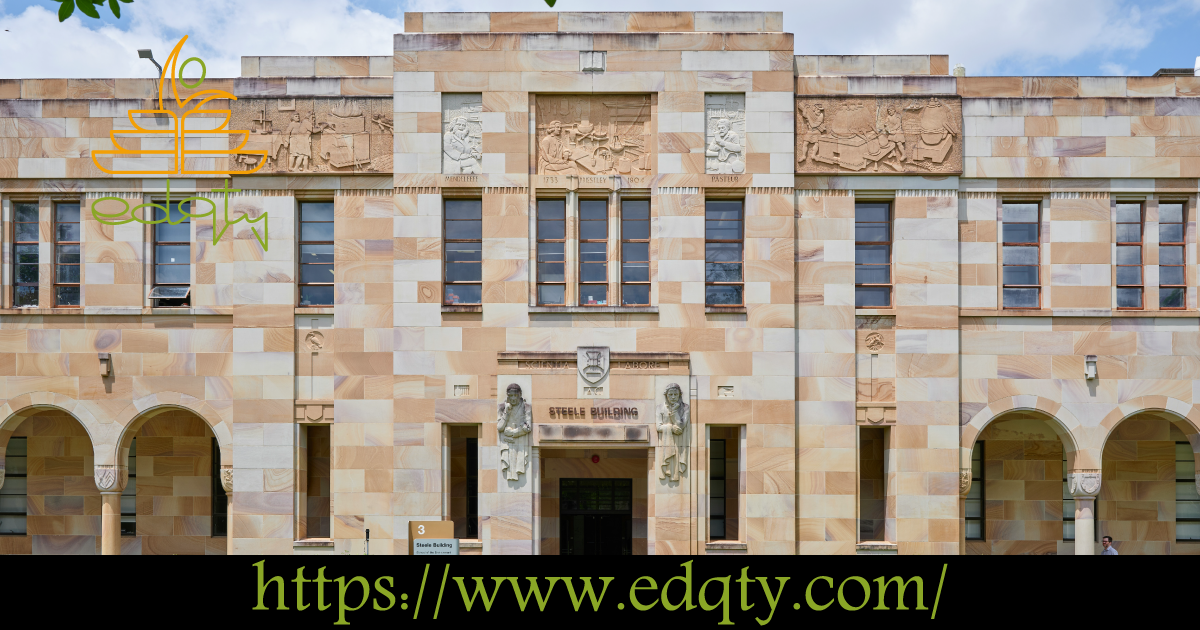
(1109, 550)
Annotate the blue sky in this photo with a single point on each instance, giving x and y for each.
(993, 37)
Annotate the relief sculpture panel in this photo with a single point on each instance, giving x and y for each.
(879, 135)
(315, 135)
(462, 139)
(594, 135)
(725, 134)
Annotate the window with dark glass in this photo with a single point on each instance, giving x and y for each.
(1171, 257)
(1021, 256)
(66, 254)
(1129, 255)
(716, 489)
(1187, 500)
(316, 253)
(723, 253)
(464, 479)
(25, 254)
(13, 492)
(220, 500)
(975, 496)
(593, 252)
(872, 483)
(129, 495)
(551, 251)
(317, 481)
(172, 256)
(635, 252)
(464, 252)
(872, 255)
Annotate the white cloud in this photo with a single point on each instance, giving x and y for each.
(987, 36)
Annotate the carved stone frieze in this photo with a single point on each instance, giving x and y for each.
(462, 139)
(725, 134)
(514, 423)
(594, 135)
(315, 135)
(674, 418)
(1084, 484)
(886, 134)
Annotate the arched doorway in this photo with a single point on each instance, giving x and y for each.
(1018, 499)
(1148, 500)
(49, 503)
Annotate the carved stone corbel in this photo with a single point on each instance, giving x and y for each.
(964, 481)
(1085, 483)
(111, 478)
(227, 479)
(1, 477)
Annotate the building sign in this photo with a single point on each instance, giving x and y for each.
(595, 413)
(435, 547)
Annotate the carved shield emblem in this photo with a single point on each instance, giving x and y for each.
(593, 363)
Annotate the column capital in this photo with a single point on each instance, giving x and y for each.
(1084, 484)
(964, 481)
(111, 478)
(227, 479)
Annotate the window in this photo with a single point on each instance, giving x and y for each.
(66, 254)
(635, 252)
(316, 476)
(872, 488)
(723, 253)
(716, 489)
(975, 496)
(1171, 258)
(220, 500)
(1129, 255)
(129, 495)
(872, 255)
(1187, 501)
(723, 483)
(1021, 256)
(464, 480)
(464, 252)
(551, 256)
(25, 254)
(593, 252)
(172, 256)
(12, 494)
(1068, 503)
(316, 253)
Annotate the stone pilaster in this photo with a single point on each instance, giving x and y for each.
(110, 480)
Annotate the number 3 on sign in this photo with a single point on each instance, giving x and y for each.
(421, 529)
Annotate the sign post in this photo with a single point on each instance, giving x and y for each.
(432, 538)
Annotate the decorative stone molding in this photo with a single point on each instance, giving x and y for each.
(111, 478)
(964, 481)
(227, 479)
(313, 411)
(875, 415)
(1, 477)
(1084, 483)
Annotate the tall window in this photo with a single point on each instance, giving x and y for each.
(716, 489)
(172, 256)
(635, 252)
(872, 255)
(220, 501)
(317, 483)
(1068, 503)
(1171, 259)
(593, 252)
(316, 253)
(66, 254)
(1129, 255)
(723, 253)
(872, 483)
(12, 494)
(551, 253)
(464, 480)
(1187, 501)
(464, 252)
(1022, 256)
(129, 495)
(975, 496)
(25, 254)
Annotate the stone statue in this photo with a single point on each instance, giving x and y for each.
(462, 151)
(674, 416)
(514, 422)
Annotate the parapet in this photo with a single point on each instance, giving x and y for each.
(607, 22)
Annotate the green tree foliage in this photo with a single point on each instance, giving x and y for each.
(88, 7)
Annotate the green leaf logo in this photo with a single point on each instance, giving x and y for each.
(551, 2)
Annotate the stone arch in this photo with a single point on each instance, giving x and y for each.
(1179, 413)
(16, 410)
(1064, 423)
(132, 417)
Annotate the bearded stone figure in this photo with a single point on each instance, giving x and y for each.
(673, 418)
(514, 423)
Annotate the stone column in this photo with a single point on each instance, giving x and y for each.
(1084, 486)
(227, 484)
(964, 486)
(110, 480)
(535, 469)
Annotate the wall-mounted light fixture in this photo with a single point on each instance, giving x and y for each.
(1090, 368)
(105, 363)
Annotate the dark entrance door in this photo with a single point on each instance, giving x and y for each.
(595, 517)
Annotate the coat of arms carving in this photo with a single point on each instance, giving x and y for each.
(593, 363)
(879, 134)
